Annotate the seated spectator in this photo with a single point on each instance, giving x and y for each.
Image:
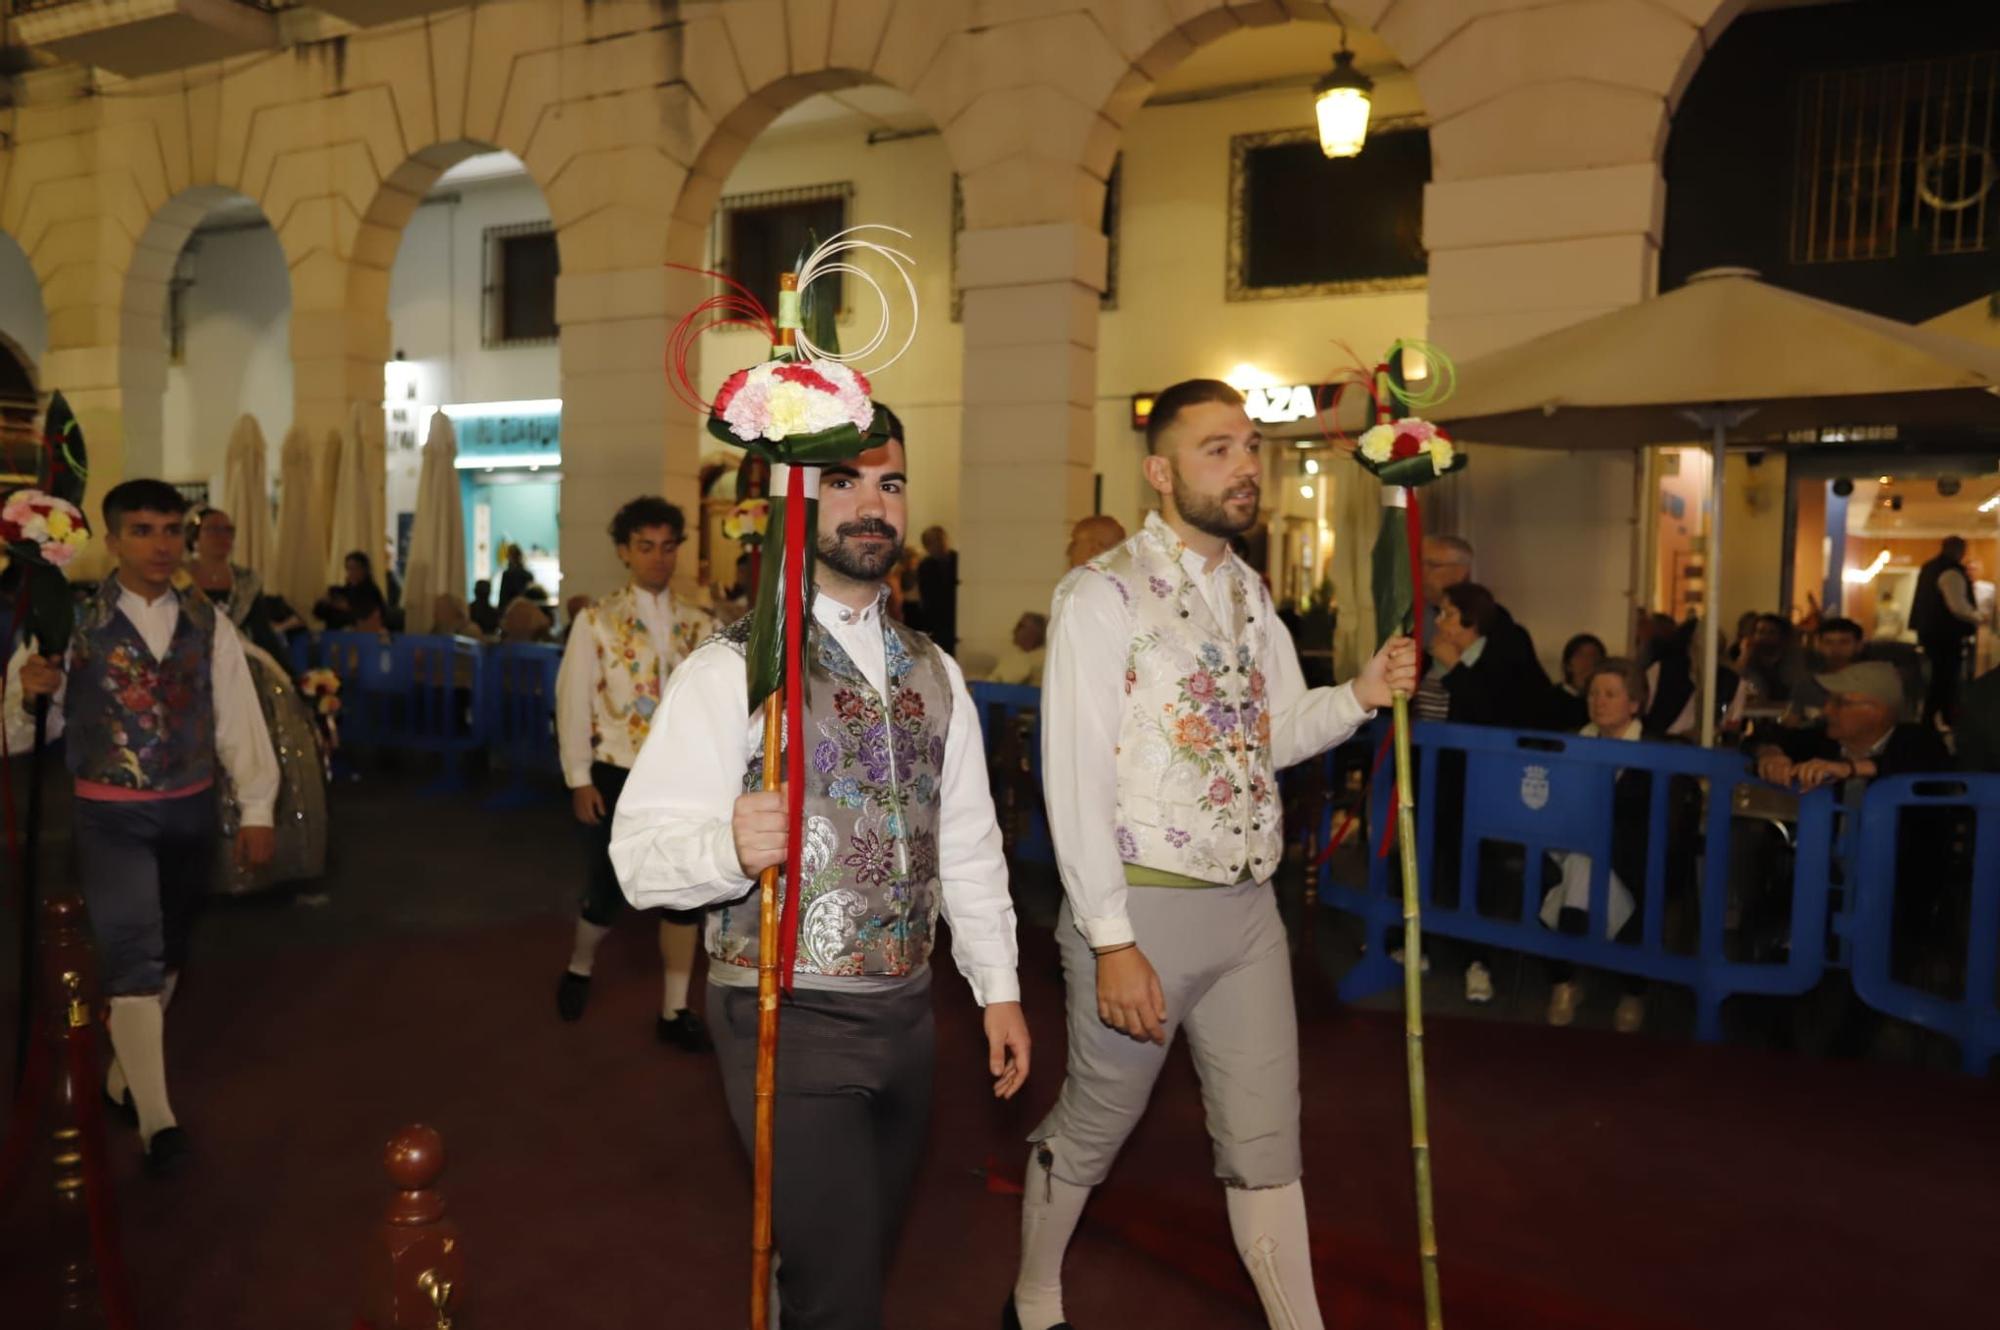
(452, 619)
(1093, 536)
(483, 612)
(572, 607)
(525, 621)
(1861, 737)
(1978, 731)
(1838, 644)
(355, 600)
(1617, 700)
(1487, 683)
(1772, 667)
(1569, 707)
(1022, 662)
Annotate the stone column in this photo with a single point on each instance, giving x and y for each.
(624, 434)
(1028, 448)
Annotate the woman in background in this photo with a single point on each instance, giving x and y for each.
(301, 813)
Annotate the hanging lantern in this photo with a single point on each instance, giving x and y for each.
(1341, 102)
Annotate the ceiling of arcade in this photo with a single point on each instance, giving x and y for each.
(627, 111)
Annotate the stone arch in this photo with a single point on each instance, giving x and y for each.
(143, 352)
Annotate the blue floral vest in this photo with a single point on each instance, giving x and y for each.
(132, 721)
(873, 791)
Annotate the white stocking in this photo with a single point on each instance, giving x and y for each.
(1269, 1224)
(1050, 1209)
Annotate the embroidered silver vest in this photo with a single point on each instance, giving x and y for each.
(874, 776)
(1197, 793)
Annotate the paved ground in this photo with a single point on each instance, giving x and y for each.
(1584, 1179)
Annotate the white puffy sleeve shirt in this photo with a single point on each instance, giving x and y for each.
(1083, 702)
(671, 842)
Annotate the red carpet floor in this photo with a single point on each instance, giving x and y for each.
(1584, 1180)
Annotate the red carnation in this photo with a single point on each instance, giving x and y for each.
(862, 379)
(730, 387)
(808, 376)
(1405, 445)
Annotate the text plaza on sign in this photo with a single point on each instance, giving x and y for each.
(1280, 405)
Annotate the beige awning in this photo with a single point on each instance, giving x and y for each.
(437, 536)
(247, 498)
(1626, 378)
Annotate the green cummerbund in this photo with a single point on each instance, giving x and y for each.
(1138, 875)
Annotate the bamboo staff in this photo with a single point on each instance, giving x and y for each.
(1413, 1017)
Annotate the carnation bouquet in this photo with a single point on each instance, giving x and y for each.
(41, 527)
(321, 689)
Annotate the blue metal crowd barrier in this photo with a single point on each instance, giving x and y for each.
(1972, 1018)
(410, 691)
(520, 693)
(1553, 793)
(1018, 708)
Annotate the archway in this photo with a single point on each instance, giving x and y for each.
(207, 303)
(24, 340)
(472, 329)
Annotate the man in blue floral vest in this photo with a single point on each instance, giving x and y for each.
(899, 828)
(159, 705)
(1172, 698)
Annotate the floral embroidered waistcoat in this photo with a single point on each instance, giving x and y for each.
(874, 778)
(630, 674)
(1197, 794)
(135, 722)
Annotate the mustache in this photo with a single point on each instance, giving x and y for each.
(873, 526)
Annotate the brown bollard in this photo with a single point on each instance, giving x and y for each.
(417, 1262)
(68, 985)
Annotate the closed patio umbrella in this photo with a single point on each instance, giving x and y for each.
(1724, 352)
(300, 558)
(437, 538)
(347, 523)
(247, 498)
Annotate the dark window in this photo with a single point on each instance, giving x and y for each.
(765, 235)
(521, 268)
(1895, 159)
(1304, 224)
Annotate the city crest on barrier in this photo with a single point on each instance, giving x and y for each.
(1535, 787)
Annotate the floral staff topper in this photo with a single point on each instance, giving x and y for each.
(44, 529)
(1404, 452)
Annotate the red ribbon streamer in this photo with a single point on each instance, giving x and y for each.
(29, 1097)
(795, 697)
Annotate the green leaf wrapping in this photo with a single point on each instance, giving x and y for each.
(1395, 597)
(65, 464)
(51, 609)
(764, 656)
(1410, 472)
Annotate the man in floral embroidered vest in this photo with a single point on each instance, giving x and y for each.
(1172, 698)
(899, 826)
(614, 672)
(154, 691)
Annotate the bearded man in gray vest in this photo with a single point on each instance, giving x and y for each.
(899, 826)
(1172, 697)
(159, 703)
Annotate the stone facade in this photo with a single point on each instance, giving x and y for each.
(1548, 121)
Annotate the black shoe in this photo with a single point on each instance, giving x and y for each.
(685, 1031)
(121, 1110)
(572, 995)
(166, 1152)
(1011, 1319)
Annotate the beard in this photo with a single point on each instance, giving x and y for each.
(859, 563)
(1208, 512)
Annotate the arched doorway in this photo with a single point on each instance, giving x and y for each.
(471, 310)
(207, 309)
(24, 339)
